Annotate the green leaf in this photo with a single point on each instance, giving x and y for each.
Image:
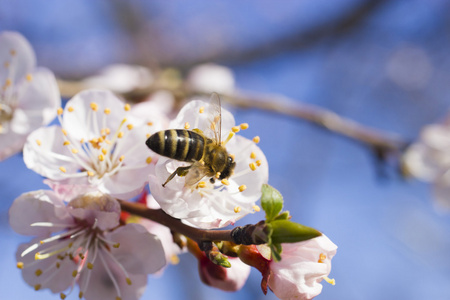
(276, 251)
(284, 231)
(283, 216)
(271, 202)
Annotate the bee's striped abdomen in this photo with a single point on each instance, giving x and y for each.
(179, 144)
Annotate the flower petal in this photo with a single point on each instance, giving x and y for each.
(11, 143)
(209, 78)
(148, 259)
(38, 206)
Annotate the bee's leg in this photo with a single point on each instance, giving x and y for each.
(180, 171)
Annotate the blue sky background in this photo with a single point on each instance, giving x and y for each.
(384, 64)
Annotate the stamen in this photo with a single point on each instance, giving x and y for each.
(64, 131)
(63, 169)
(322, 258)
(256, 208)
(225, 182)
(74, 151)
(121, 158)
(217, 175)
(128, 281)
(174, 259)
(201, 184)
(90, 266)
(117, 245)
(63, 296)
(256, 139)
(38, 142)
(253, 155)
(235, 129)
(187, 125)
(252, 166)
(111, 276)
(94, 106)
(104, 151)
(29, 77)
(107, 111)
(242, 188)
(330, 281)
(101, 157)
(19, 265)
(90, 173)
(70, 109)
(237, 209)
(201, 110)
(80, 295)
(149, 123)
(120, 134)
(127, 107)
(232, 156)
(38, 272)
(74, 273)
(244, 126)
(8, 82)
(130, 126)
(258, 162)
(230, 135)
(37, 287)
(59, 111)
(66, 143)
(148, 160)
(12, 52)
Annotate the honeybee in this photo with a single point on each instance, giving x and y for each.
(208, 155)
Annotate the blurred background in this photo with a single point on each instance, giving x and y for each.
(384, 64)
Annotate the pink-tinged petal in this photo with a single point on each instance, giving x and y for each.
(436, 136)
(102, 282)
(209, 78)
(67, 191)
(10, 144)
(45, 154)
(43, 274)
(155, 110)
(35, 207)
(39, 97)
(140, 252)
(425, 163)
(302, 267)
(97, 209)
(18, 54)
(227, 279)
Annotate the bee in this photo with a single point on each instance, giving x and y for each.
(207, 155)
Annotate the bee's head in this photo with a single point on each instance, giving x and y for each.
(229, 167)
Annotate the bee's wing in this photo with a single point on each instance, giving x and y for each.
(214, 113)
(196, 172)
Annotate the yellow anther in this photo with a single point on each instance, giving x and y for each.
(80, 295)
(100, 140)
(232, 156)
(8, 82)
(90, 173)
(120, 134)
(235, 129)
(12, 52)
(201, 110)
(82, 141)
(74, 150)
(37, 287)
(258, 162)
(256, 139)
(130, 126)
(70, 244)
(103, 131)
(107, 111)
(148, 135)
(104, 151)
(187, 125)
(230, 135)
(63, 169)
(58, 265)
(149, 123)
(81, 255)
(20, 265)
(6, 64)
(252, 166)
(244, 126)
(242, 188)
(66, 143)
(62, 296)
(59, 111)
(201, 184)
(128, 280)
(38, 272)
(41, 242)
(74, 273)
(70, 109)
(217, 175)
(174, 259)
(225, 182)
(101, 157)
(38, 142)
(117, 245)
(29, 77)
(330, 281)
(94, 106)
(108, 131)
(322, 258)
(90, 266)
(118, 298)
(127, 107)
(121, 158)
(253, 155)
(149, 160)
(237, 209)
(64, 132)
(256, 208)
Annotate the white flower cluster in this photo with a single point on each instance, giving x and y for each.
(97, 154)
